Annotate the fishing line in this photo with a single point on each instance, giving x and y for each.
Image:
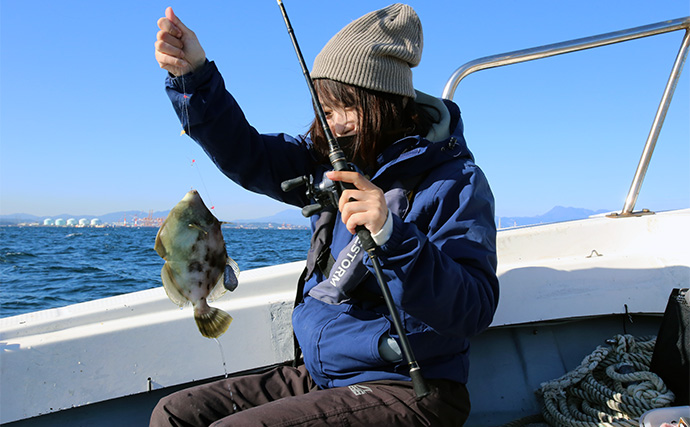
(185, 110)
(222, 356)
(185, 119)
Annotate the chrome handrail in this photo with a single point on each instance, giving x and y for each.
(546, 51)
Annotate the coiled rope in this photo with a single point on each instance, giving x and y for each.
(612, 387)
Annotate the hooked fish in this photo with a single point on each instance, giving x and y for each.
(197, 268)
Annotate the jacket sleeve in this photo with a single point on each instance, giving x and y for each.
(440, 262)
(258, 162)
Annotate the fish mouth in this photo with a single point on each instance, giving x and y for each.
(191, 194)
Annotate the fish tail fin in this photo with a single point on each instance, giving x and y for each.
(213, 322)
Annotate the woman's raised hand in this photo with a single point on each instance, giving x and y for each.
(177, 48)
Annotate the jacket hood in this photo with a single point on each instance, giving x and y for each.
(441, 128)
(416, 154)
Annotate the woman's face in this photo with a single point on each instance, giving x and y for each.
(343, 121)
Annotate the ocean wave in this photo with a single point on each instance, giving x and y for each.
(7, 255)
(42, 268)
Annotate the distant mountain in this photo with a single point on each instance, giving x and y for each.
(557, 214)
(19, 218)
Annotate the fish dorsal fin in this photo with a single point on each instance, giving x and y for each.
(198, 227)
(171, 287)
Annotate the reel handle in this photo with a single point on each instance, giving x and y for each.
(293, 183)
(310, 210)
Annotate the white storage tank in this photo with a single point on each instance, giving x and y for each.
(48, 221)
(95, 222)
(72, 221)
(83, 222)
(60, 221)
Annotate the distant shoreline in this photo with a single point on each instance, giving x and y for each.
(289, 218)
(249, 226)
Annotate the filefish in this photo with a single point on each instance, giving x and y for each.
(197, 268)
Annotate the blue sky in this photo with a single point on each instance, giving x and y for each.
(86, 127)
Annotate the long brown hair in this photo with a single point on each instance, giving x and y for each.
(384, 119)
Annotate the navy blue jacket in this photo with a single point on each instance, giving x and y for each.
(440, 261)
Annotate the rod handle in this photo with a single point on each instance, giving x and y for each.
(420, 387)
(362, 232)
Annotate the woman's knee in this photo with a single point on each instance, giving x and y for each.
(159, 416)
(171, 411)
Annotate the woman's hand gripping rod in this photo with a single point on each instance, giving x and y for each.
(339, 162)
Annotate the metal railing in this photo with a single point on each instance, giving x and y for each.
(546, 51)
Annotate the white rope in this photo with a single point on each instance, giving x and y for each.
(612, 387)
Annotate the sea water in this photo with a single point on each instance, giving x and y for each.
(48, 267)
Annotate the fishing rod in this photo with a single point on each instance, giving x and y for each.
(339, 163)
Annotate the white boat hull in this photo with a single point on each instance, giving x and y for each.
(579, 272)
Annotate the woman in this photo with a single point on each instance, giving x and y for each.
(417, 190)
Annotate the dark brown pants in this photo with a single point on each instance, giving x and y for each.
(287, 396)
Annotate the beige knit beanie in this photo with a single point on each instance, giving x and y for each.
(375, 51)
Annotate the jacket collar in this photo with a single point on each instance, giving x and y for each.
(414, 155)
(440, 131)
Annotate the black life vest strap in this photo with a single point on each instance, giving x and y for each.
(297, 350)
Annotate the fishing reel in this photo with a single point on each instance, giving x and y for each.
(325, 194)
